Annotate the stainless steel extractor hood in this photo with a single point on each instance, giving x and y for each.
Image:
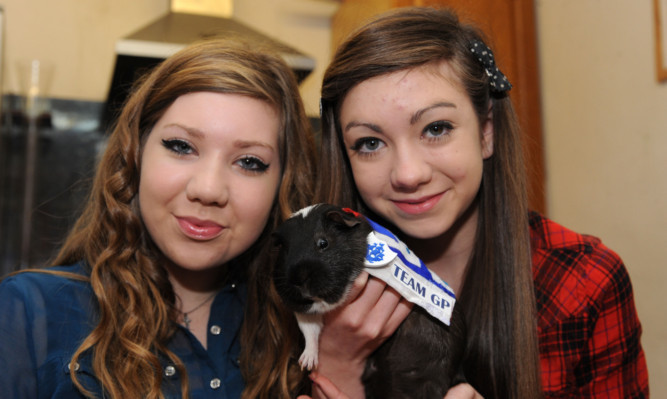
(156, 41)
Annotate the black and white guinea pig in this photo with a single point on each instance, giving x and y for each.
(322, 251)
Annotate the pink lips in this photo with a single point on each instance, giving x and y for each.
(420, 205)
(199, 229)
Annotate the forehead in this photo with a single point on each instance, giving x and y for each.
(220, 120)
(442, 70)
(430, 77)
(407, 90)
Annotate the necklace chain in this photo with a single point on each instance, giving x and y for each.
(186, 319)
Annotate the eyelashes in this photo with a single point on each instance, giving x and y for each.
(437, 129)
(433, 132)
(252, 164)
(367, 145)
(178, 146)
(246, 162)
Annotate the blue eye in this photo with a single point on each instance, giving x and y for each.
(253, 164)
(367, 145)
(437, 129)
(178, 146)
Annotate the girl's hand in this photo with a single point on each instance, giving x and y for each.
(324, 387)
(352, 332)
(463, 391)
(327, 390)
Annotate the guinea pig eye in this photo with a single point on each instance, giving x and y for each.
(322, 243)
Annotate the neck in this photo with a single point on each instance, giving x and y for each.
(194, 286)
(448, 254)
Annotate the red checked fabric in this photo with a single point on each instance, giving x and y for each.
(589, 331)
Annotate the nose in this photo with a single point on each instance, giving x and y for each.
(208, 184)
(410, 168)
(300, 277)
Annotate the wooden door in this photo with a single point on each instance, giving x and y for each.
(510, 28)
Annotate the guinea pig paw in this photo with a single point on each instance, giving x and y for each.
(308, 360)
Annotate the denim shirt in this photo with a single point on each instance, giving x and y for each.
(44, 318)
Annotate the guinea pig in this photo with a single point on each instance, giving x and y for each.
(321, 252)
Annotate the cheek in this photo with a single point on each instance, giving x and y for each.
(369, 178)
(160, 184)
(462, 164)
(151, 196)
(159, 191)
(260, 204)
(256, 200)
(458, 171)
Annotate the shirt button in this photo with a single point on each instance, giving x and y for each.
(215, 383)
(215, 330)
(73, 367)
(169, 371)
(233, 285)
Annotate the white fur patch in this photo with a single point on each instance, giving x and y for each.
(303, 212)
(321, 307)
(310, 325)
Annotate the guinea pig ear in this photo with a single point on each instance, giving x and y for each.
(343, 218)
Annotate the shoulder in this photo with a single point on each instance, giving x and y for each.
(47, 275)
(589, 331)
(50, 285)
(45, 299)
(575, 274)
(547, 235)
(557, 249)
(44, 317)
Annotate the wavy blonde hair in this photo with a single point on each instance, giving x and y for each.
(137, 315)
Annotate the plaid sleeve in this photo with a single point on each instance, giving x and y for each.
(613, 364)
(588, 326)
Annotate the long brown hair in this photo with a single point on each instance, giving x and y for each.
(137, 315)
(502, 357)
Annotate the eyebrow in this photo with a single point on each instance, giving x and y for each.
(370, 126)
(413, 119)
(189, 130)
(417, 115)
(252, 143)
(194, 132)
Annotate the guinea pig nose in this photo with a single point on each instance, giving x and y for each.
(299, 278)
(322, 243)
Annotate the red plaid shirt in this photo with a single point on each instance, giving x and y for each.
(589, 332)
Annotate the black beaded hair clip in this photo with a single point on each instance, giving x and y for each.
(498, 82)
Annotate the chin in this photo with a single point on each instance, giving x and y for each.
(422, 230)
(422, 234)
(193, 260)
